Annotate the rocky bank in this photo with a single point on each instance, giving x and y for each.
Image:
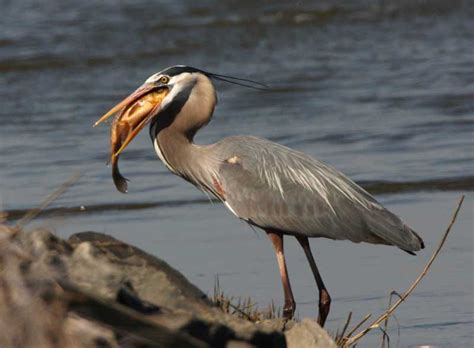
(95, 291)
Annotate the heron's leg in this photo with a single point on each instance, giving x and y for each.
(277, 241)
(324, 298)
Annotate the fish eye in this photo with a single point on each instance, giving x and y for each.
(164, 79)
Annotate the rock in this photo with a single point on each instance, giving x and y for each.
(308, 334)
(157, 282)
(96, 291)
(153, 279)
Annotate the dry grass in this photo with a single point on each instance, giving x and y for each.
(381, 322)
(30, 215)
(243, 307)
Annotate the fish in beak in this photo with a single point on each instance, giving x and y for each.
(134, 113)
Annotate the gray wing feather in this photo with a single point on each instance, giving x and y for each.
(273, 186)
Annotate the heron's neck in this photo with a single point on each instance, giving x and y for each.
(174, 130)
(184, 158)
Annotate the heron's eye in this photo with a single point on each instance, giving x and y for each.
(164, 79)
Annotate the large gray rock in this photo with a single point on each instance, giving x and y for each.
(153, 279)
(156, 282)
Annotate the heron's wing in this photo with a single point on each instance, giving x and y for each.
(273, 186)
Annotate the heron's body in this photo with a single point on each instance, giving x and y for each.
(273, 186)
(280, 190)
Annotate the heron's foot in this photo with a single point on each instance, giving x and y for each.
(289, 310)
(324, 306)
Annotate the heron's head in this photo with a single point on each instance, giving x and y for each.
(167, 92)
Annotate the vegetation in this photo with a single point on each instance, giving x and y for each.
(243, 307)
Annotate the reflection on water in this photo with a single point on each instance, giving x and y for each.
(383, 90)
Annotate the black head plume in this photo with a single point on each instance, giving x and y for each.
(178, 69)
(239, 81)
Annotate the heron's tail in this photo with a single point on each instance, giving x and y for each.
(422, 243)
(391, 229)
(420, 240)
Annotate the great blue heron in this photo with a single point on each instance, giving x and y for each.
(280, 190)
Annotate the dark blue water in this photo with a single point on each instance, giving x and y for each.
(383, 90)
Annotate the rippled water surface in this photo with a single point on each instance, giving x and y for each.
(383, 90)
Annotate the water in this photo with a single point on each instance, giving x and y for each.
(383, 90)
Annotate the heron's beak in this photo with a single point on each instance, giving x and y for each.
(136, 111)
(140, 92)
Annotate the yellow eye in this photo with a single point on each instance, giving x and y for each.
(164, 79)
